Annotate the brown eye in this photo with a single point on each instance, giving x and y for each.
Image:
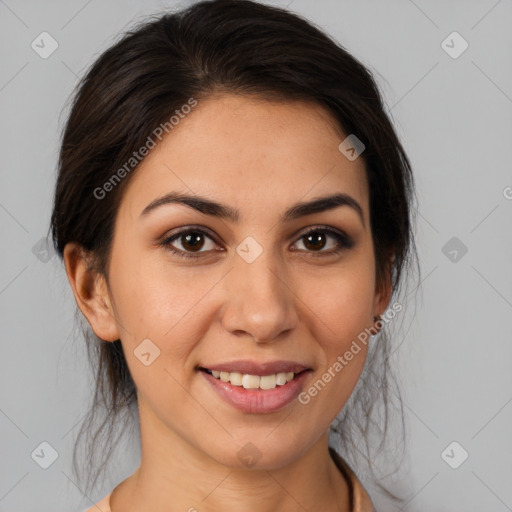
(315, 241)
(191, 241)
(320, 238)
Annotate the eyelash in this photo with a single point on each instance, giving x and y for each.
(343, 240)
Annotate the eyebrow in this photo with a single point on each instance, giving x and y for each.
(215, 209)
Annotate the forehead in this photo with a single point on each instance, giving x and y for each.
(258, 156)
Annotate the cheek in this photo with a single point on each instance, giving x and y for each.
(157, 300)
(339, 309)
(160, 311)
(341, 302)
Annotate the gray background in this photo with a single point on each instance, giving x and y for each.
(454, 116)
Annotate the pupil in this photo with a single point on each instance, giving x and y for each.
(194, 240)
(312, 244)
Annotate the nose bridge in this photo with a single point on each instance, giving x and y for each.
(258, 300)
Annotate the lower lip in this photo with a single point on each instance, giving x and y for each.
(258, 400)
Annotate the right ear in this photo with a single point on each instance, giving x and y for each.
(91, 292)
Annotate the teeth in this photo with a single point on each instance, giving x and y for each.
(235, 379)
(254, 381)
(281, 379)
(268, 381)
(251, 381)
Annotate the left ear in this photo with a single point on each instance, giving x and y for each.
(384, 290)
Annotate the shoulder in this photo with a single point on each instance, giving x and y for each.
(102, 505)
(359, 498)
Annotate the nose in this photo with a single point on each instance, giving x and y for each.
(259, 303)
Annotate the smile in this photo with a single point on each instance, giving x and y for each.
(256, 388)
(248, 381)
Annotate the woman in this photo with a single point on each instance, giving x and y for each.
(233, 212)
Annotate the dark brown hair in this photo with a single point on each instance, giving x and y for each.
(239, 47)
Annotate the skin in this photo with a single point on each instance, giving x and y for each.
(259, 157)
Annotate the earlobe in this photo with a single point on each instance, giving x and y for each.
(383, 294)
(383, 298)
(381, 303)
(90, 291)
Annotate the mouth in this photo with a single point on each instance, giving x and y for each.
(256, 388)
(253, 380)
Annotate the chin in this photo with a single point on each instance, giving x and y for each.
(258, 452)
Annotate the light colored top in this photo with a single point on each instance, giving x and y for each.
(359, 499)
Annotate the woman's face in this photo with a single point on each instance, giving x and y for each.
(250, 294)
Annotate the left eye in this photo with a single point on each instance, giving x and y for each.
(316, 240)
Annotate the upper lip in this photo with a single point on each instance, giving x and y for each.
(255, 368)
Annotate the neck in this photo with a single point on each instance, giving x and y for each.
(175, 475)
